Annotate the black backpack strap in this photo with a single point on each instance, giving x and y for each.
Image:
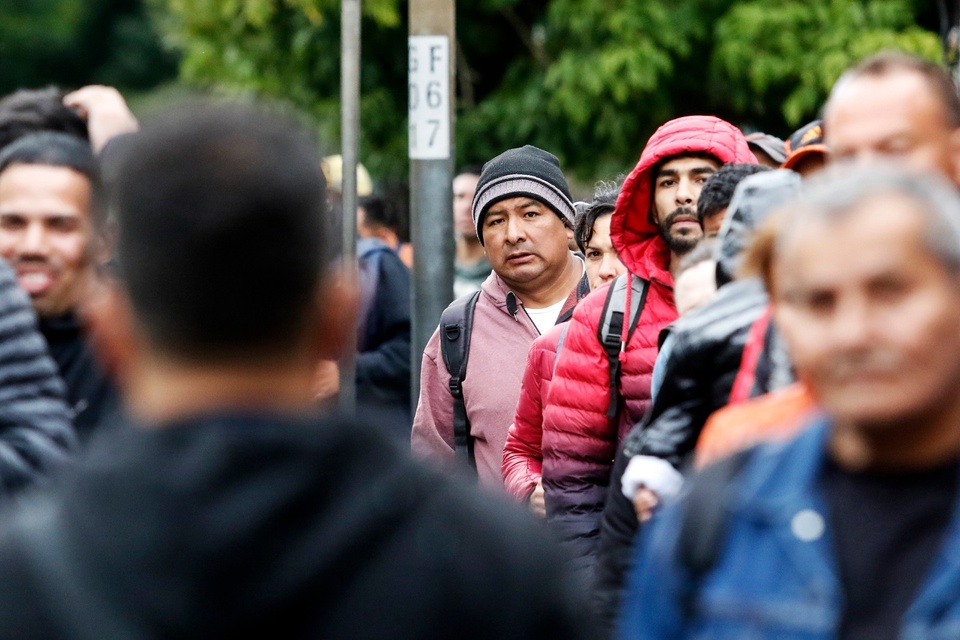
(611, 327)
(705, 518)
(456, 325)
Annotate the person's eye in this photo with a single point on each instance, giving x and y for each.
(12, 223)
(62, 224)
(667, 182)
(533, 213)
(819, 301)
(889, 289)
(593, 255)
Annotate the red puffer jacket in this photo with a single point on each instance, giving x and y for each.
(579, 440)
(522, 458)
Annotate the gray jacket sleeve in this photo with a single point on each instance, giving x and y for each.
(36, 433)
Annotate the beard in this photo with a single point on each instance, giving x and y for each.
(685, 240)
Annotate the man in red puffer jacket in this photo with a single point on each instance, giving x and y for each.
(653, 226)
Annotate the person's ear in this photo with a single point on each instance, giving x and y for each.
(569, 233)
(104, 241)
(109, 323)
(337, 302)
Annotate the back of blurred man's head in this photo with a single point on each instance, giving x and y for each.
(221, 247)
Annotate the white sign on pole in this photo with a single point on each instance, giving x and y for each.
(429, 98)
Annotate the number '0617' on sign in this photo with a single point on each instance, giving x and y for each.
(429, 97)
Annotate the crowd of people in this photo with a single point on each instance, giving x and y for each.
(716, 399)
(748, 426)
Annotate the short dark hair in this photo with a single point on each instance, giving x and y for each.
(380, 213)
(936, 77)
(29, 111)
(222, 233)
(718, 190)
(604, 202)
(60, 150)
(470, 170)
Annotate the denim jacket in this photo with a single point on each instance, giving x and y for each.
(775, 575)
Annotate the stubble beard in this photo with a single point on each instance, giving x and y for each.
(678, 244)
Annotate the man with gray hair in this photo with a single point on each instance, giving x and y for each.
(851, 529)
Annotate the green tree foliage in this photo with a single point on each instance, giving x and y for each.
(587, 79)
(783, 56)
(77, 42)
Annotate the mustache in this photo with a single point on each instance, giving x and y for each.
(29, 260)
(679, 212)
(874, 361)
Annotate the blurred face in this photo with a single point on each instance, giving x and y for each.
(45, 234)
(676, 189)
(695, 286)
(464, 188)
(871, 317)
(601, 260)
(363, 230)
(712, 224)
(895, 116)
(525, 242)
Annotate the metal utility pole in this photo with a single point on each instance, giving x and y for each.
(431, 58)
(349, 150)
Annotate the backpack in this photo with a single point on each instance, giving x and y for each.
(610, 330)
(456, 325)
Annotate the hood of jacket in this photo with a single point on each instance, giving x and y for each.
(634, 235)
(755, 198)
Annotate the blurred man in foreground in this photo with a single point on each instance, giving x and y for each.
(229, 508)
(854, 523)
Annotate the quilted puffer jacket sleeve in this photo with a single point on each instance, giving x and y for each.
(36, 434)
(522, 454)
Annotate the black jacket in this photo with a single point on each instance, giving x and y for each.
(265, 526)
(90, 394)
(36, 436)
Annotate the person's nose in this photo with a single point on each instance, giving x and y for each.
(850, 325)
(34, 240)
(516, 229)
(686, 194)
(610, 267)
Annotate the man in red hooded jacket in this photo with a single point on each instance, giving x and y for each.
(653, 225)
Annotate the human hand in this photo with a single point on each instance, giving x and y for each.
(326, 380)
(644, 502)
(105, 111)
(537, 504)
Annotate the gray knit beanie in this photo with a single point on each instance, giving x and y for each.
(527, 171)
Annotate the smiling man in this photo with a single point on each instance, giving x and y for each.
(523, 215)
(52, 233)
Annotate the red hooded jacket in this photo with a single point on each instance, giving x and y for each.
(579, 441)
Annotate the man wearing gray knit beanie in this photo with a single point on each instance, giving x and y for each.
(523, 214)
